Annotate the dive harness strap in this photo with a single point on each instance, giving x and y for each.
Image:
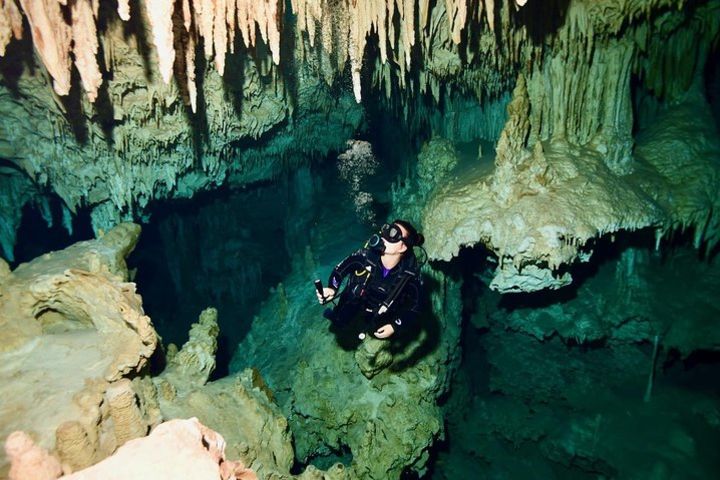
(397, 289)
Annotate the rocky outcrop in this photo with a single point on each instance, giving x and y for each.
(73, 329)
(539, 210)
(256, 432)
(174, 449)
(351, 405)
(191, 366)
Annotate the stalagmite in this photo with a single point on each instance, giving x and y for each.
(127, 418)
(73, 446)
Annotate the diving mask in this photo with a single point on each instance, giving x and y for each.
(390, 232)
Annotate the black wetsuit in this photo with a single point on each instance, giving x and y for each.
(370, 285)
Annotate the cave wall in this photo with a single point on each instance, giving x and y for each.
(158, 100)
(138, 141)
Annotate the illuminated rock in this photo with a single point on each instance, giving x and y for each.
(73, 328)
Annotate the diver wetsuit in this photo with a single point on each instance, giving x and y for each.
(370, 285)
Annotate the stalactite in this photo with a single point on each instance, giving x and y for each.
(187, 14)
(266, 15)
(344, 28)
(220, 33)
(85, 46)
(457, 16)
(124, 9)
(160, 14)
(190, 72)
(52, 38)
(490, 13)
(10, 23)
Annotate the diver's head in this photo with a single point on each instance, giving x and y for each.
(396, 238)
(410, 236)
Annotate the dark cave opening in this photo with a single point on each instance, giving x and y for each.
(48, 226)
(543, 383)
(221, 249)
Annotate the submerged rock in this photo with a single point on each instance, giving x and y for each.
(174, 449)
(73, 330)
(373, 356)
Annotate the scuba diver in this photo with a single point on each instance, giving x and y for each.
(383, 282)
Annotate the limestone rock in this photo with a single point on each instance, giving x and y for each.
(29, 462)
(387, 422)
(194, 363)
(538, 211)
(372, 356)
(73, 328)
(4, 270)
(241, 407)
(254, 428)
(174, 449)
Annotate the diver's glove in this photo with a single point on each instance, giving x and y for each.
(328, 295)
(385, 331)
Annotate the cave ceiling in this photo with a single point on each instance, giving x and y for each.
(112, 105)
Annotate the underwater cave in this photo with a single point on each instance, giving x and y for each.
(519, 198)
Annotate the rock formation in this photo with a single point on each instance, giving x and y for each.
(74, 334)
(538, 210)
(373, 421)
(572, 69)
(560, 181)
(240, 406)
(73, 330)
(174, 449)
(140, 140)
